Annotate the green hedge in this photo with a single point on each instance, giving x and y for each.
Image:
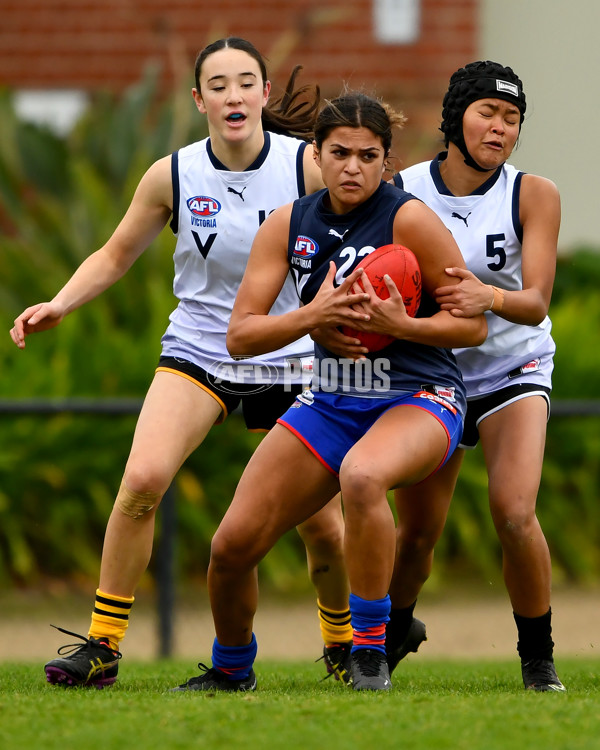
(59, 201)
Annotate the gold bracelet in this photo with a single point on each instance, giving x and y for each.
(498, 301)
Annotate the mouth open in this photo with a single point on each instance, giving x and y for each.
(236, 117)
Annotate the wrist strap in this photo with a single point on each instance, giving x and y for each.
(498, 300)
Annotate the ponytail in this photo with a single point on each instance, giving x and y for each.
(295, 111)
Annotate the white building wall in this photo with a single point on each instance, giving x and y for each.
(554, 47)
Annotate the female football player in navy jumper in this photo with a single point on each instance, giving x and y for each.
(215, 193)
(506, 224)
(364, 427)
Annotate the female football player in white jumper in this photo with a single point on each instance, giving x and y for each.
(506, 224)
(215, 193)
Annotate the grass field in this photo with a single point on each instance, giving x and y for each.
(434, 705)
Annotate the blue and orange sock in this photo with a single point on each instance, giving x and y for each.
(234, 661)
(369, 618)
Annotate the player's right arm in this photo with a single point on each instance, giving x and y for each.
(539, 211)
(252, 330)
(146, 216)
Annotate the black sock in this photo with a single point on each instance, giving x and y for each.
(535, 636)
(399, 623)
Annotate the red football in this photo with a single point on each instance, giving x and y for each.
(401, 264)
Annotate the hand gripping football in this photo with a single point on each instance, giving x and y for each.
(402, 266)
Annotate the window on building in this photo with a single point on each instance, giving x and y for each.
(397, 21)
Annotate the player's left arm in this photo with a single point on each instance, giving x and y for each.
(540, 213)
(417, 227)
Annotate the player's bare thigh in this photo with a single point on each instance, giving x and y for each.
(423, 507)
(404, 446)
(282, 485)
(175, 418)
(513, 441)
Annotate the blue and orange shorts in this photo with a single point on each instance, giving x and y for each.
(330, 424)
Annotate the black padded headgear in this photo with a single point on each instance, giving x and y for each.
(477, 80)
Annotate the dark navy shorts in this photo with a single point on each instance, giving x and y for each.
(330, 424)
(261, 403)
(481, 407)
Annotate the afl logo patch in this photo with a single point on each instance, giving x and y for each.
(203, 205)
(305, 247)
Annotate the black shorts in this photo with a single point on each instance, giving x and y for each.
(480, 408)
(261, 403)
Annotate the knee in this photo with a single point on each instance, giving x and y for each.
(232, 553)
(361, 486)
(147, 476)
(324, 542)
(141, 490)
(514, 525)
(134, 504)
(416, 542)
(323, 538)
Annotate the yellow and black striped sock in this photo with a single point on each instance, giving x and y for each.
(335, 625)
(110, 617)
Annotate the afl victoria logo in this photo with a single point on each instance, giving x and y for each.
(203, 205)
(305, 247)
